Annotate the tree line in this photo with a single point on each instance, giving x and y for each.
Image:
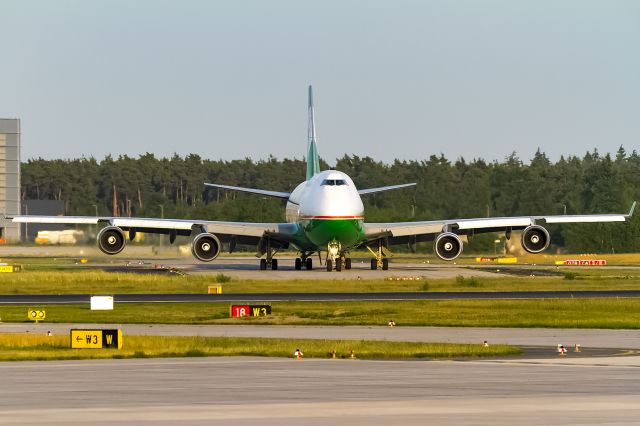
(173, 187)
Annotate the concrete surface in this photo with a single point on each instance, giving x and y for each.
(250, 391)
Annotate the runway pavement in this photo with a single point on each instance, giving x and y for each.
(70, 299)
(250, 391)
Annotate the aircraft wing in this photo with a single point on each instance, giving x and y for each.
(384, 188)
(399, 232)
(277, 194)
(244, 232)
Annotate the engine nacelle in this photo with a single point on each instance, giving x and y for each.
(448, 246)
(111, 240)
(205, 247)
(535, 239)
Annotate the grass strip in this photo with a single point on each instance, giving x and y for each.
(24, 347)
(100, 282)
(606, 313)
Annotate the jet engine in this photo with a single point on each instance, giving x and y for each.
(448, 246)
(111, 240)
(205, 247)
(535, 239)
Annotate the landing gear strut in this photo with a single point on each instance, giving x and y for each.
(304, 260)
(337, 257)
(381, 257)
(269, 261)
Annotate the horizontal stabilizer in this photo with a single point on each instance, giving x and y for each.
(384, 188)
(276, 194)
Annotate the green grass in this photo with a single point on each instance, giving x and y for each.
(100, 282)
(38, 347)
(552, 313)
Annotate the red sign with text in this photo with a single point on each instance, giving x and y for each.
(238, 311)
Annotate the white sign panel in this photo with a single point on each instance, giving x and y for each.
(101, 303)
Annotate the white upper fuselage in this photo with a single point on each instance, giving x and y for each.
(327, 195)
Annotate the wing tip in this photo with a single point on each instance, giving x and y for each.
(632, 209)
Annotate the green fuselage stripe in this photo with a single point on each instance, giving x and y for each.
(317, 233)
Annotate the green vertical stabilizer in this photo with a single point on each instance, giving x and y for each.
(313, 162)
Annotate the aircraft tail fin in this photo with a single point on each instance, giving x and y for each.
(313, 162)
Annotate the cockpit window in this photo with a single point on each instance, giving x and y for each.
(334, 182)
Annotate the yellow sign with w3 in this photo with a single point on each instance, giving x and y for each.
(96, 339)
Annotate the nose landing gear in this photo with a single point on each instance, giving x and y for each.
(336, 257)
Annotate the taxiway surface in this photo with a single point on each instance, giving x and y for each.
(250, 391)
(542, 337)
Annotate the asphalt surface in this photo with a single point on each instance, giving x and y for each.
(69, 299)
(539, 337)
(250, 391)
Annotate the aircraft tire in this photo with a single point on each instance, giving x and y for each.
(309, 264)
(329, 265)
(347, 263)
(385, 264)
(374, 264)
(338, 265)
(263, 264)
(298, 264)
(274, 264)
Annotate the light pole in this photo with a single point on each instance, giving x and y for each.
(95, 206)
(565, 208)
(26, 224)
(488, 213)
(161, 217)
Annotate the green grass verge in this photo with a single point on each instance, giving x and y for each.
(100, 282)
(551, 313)
(23, 347)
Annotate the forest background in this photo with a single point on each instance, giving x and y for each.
(173, 187)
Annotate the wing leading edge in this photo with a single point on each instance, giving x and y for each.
(249, 233)
(424, 231)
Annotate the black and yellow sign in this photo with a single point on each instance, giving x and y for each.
(36, 314)
(10, 268)
(96, 339)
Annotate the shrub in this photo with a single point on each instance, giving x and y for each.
(222, 278)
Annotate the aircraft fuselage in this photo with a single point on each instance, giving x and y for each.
(327, 208)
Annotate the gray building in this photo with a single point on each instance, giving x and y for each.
(9, 176)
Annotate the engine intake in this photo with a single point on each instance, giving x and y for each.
(535, 239)
(205, 247)
(448, 246)
(111, 240)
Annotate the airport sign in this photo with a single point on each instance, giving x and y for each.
(238, 311)
(96, 339)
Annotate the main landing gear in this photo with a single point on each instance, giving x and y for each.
(269, 262)
(304, 261)
(380, 257)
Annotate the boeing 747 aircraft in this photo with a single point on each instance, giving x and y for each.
(324, 215)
